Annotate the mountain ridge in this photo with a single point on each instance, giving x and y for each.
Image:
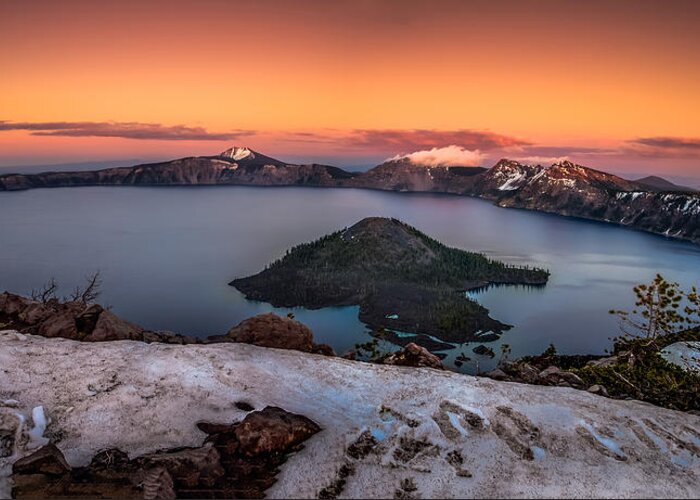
(660, 184)
(563, 188)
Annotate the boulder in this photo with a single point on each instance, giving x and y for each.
(35, 313)
(61, 324)
(189, 468)
(111, 327)
(272, 430)
(554, 375)
(414, 355)
(323, 349)
(550, 376)
(85, 321)
(572, 379)
(598, 389)
(527, 373)
(158, 485)
(47, 460)
(11, 304)
(270, 330)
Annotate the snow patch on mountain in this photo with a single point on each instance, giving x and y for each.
(514, 182)
(238, 153)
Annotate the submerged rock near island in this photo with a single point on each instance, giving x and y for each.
(401, 278)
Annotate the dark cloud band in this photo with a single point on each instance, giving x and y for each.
(125, 130)
(669, 142)
(403, 140)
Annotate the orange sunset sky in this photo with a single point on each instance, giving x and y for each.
(610, 84)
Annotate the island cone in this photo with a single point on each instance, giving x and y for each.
(401, 278)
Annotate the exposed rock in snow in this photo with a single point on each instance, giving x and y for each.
(386, 429)
(414, 355)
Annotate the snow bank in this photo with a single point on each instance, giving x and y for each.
(683, 354)
(452, 435)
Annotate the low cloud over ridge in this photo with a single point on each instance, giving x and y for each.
(448, 156)
(124, 130)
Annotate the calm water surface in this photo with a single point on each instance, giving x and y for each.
(167, 254)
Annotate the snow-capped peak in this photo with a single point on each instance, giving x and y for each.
(511, 175)
(238, 153)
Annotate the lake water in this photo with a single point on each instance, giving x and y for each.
(166, 255)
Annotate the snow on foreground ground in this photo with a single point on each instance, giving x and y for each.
(452, 435)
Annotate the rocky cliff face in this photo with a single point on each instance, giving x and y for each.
(573, 190)
(563, 188)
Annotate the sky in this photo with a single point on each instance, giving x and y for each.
(610, 84)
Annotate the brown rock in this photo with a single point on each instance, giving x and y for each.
(35, 313)
(554, 375)
(416, 356)
(158, 485)
(598, 389)
(61, 324)
(111, 327)
(46, 460)
(272, 430)
(527, 373)
(150, 337)
(550, 375)
(323, 349)
(189, 468)
(572, 379)
(270, 330)
(85, 321)
(12, 304)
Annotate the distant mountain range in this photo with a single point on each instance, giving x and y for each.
(650, 204)
(660, 184)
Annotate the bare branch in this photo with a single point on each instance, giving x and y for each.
(91, 291)
(47, 292)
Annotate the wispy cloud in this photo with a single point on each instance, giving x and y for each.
(561, 151)
(448, 156)
(540, 160)
(125, 130)
(414, 139)
(666, 146)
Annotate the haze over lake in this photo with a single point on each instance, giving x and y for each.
(167, 254)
